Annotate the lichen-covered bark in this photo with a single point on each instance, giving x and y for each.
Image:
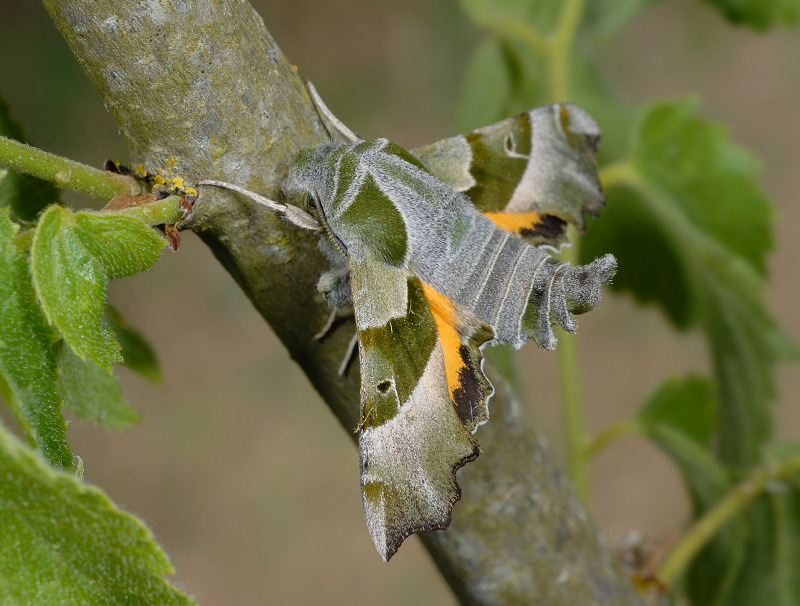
(202, 81)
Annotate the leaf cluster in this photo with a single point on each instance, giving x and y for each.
(59, 341)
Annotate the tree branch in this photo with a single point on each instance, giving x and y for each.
(203, 81)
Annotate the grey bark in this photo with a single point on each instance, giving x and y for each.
(202, 81)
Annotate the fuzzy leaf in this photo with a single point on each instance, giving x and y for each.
(25, 195)
(27, 368)
(90, 392)
(73, 257)
(691, 229)
(71, 286)
(67, 543)
(139, 356)
(688, 406)
(124, 246)
(759, 14)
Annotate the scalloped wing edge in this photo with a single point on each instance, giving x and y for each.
(413, 442)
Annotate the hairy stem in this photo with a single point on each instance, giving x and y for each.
(63, 172)
(159, 212)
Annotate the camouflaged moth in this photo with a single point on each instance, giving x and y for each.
(446, 250)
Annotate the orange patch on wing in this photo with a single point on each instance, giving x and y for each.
(515, 222)
(444, 314)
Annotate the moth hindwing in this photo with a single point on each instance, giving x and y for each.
(532, 174)
(445, 248)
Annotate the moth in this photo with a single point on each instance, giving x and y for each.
(443, 250)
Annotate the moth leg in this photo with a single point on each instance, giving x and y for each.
(328, 325)
(291, 213)
(349, 355)
(327, 114)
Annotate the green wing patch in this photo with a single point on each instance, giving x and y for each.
(397, 354)
(422, 394)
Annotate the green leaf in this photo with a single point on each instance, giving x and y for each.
(691, 229)
(771, 570)
(503, 79)
(71, 286)
(770, 573)
(124, 246)
(91, 392)
(25, 195)
(66, 543)
(778, 453)
(139, 356)
(680, 419)
(487, 87)
(758, 14)
(27, 368)
(687, 405)
(73, 257)
(715, 569)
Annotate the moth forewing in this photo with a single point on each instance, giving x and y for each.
(412, 437)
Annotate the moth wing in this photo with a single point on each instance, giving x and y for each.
(532, 174)
(416, 422)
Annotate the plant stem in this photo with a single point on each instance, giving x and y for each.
(617, 173)
(706, 527)
(561, 43)
(523, 32)
(571, 400)
(560, 48)
(616, 431)
(574, 430)
(159, 212)
(96, 183)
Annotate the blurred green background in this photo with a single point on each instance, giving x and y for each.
(244, 476)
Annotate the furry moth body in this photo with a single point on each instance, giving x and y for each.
(446, 248)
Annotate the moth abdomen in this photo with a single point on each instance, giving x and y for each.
(560, 291)
(517, 289)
